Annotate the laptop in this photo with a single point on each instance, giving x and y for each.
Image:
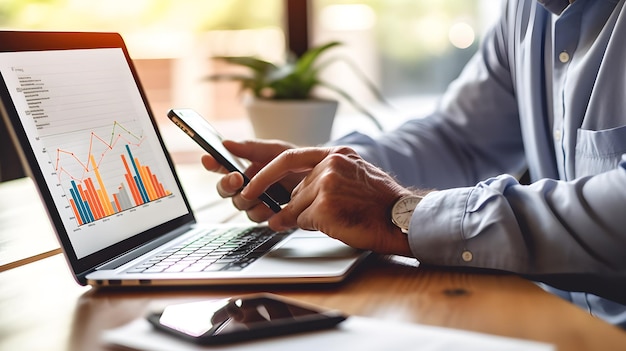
(83, 126)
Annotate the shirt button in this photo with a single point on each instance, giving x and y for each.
(564, 57)
(557, 135)
(467, 256)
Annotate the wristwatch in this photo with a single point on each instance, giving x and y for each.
(402, 211)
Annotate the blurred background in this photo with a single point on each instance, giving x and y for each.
(410, 49)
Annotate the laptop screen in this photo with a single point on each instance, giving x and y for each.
(94, 143)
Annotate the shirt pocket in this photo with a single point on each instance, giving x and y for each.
(599, 151)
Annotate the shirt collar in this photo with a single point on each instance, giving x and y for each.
(555, 6)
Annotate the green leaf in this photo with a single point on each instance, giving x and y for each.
(255, 64)
(306, 62)
(296, 79)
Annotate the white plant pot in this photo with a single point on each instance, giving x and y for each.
(301, 122)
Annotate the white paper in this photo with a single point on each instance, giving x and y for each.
(356, 333)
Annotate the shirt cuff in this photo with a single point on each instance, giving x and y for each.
(435, 234)
(470, 227)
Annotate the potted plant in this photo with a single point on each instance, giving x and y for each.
(282, 104)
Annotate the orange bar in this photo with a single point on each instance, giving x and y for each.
(76, 213)
(82, 192)
(95, 202)
(91, 200)
(131, 183)
(117, 203)
(154, 182)
(133, 189)
(148, 174)
(162, 190)
(85, 197)
(91, 190)
(104, 199)
(158, 187)
(145, 180)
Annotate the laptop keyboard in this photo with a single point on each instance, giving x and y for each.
(217, 250)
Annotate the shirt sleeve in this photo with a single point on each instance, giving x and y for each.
(567, 234)
(473, 134)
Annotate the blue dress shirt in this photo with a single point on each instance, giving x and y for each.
(545, 93)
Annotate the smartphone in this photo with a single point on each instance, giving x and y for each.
(242, 318)
(200, 130)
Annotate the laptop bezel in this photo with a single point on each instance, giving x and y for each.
(15, 41)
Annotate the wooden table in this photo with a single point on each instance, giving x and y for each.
(42, 308)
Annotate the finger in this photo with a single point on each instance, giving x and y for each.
(244, 204)
(260, 213)
(230, 184)
(290, 161)
(297, 189)
(302, 198)
(308, 219)
(297, 213)
(211, 164)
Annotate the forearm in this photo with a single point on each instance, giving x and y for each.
(551, 230)
(433, 153)
(473, 134)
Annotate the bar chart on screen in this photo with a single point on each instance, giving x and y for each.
(96, 146)
(133, 182)
(99, 160)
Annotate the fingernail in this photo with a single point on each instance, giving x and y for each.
(232, 181)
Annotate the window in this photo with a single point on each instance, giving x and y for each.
(170, 41)
(411, 49)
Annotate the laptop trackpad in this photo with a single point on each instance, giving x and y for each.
(312, 247)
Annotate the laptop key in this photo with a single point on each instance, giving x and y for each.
(231, 250)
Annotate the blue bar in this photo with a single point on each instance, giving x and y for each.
(89, 213)
(138, 180)
(78, 202)
(142, 190)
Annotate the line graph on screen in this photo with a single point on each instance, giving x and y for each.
(106, 177)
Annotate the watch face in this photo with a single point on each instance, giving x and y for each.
(403, 210)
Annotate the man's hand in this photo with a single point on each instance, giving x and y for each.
(259, 153)
(340, 194)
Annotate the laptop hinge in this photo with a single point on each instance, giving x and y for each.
(147, 247)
